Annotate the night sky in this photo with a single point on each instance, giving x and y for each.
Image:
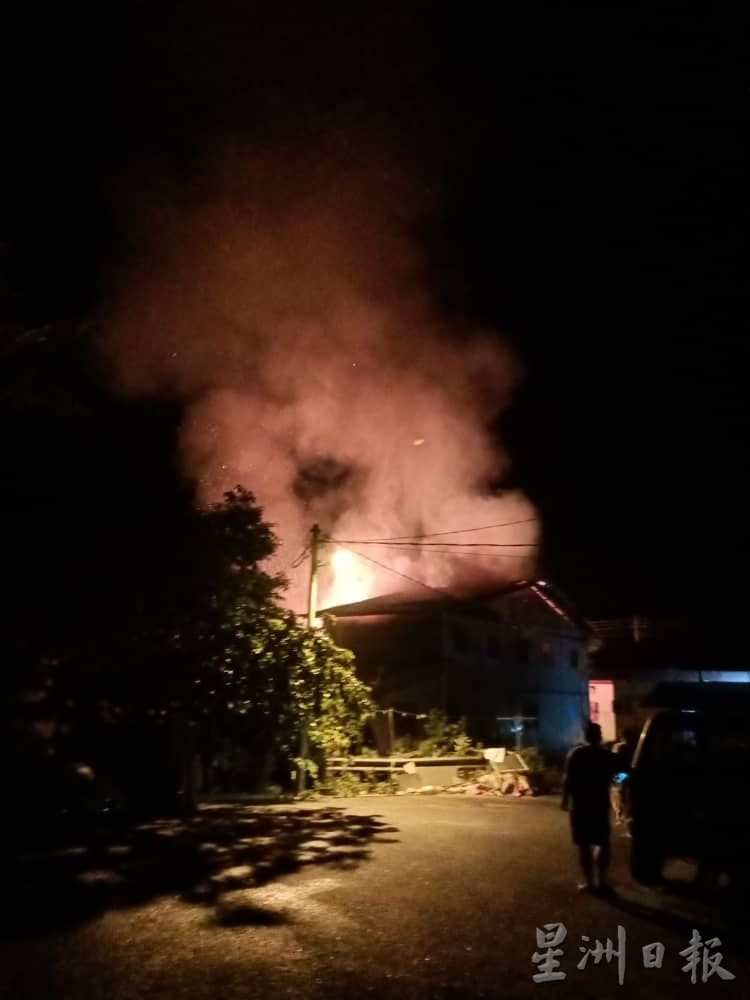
(591, 183)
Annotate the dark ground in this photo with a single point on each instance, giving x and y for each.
(394, 897)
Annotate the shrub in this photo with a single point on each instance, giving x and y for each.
(462, 745)
(441, 736)
(342, 785)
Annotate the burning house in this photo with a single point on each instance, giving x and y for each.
(511, 659)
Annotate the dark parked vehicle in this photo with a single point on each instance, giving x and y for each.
(689, 783)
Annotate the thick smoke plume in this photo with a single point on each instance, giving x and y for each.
(284, 298)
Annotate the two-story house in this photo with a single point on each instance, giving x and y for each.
(512, 660)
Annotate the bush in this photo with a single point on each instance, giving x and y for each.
(346, 785)
(376, 785)
(462, 745)
(443, 737)
(405, 746)
(342, 786)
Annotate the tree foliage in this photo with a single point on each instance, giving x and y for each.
(337, 703)
(125, 605)
(443, 736)
(244, 662)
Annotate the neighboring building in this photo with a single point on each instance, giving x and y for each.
(633, 655)
(514, 656)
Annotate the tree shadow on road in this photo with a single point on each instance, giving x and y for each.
(220, 858)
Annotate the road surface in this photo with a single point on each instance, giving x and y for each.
(377, 896)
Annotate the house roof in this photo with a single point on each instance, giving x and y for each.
(468, 601)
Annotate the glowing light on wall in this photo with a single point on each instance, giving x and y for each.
(352, 579)
(342, 561)
(601, 705)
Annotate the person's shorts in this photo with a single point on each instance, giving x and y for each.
(589, 827)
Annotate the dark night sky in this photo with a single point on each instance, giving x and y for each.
(594, 212)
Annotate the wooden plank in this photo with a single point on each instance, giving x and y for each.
(419, 761)
(369, 770)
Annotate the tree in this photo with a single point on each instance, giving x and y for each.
(128, 612)
(257, 664)
(239, 667)
(329, 696)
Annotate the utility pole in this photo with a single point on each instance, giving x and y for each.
(391, 734)
(312, 613)
(518, 727)
(312, 590)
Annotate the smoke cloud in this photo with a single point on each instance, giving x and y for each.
(283, 296)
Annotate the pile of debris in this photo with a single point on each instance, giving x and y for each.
(508, 783)
(509, 775)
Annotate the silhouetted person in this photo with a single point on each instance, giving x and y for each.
(588, 773)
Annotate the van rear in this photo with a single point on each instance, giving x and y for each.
(689, 782)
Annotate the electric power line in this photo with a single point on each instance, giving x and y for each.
(453, 552)
(455, 531)
(390, 569)
(296, 563)
(424, 545)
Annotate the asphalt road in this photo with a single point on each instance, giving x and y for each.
(385, 897)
